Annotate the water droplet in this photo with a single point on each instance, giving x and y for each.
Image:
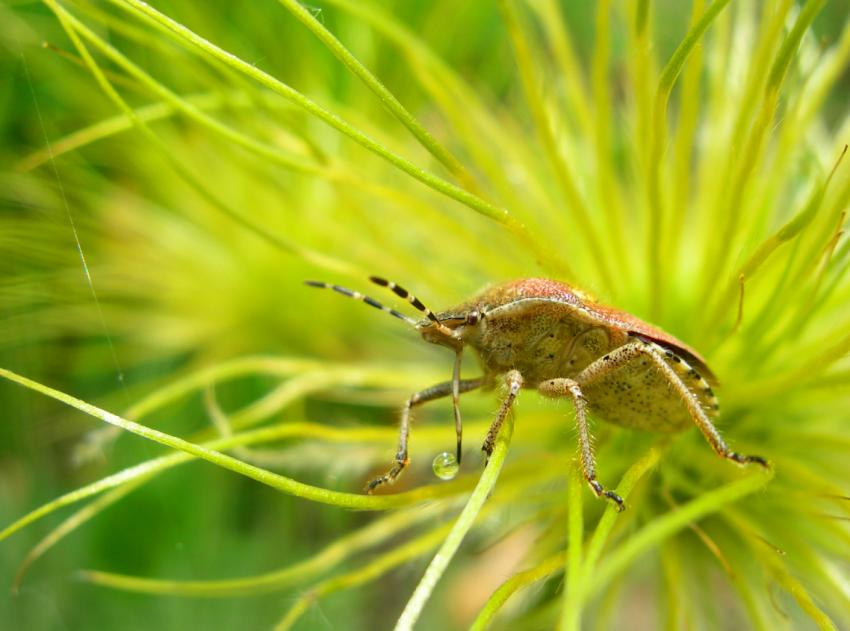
(445, 466)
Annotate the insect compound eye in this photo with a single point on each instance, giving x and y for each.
(472, 317)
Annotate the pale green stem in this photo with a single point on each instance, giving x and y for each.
(556, 562)
(112, 126)
(70, 524)
(275, 154)
(575, 597)
(511, 495)
(474, 202)
(380, 90)
(69, 23)
(375, 533)
(663, 527)
(371, 570)
(753, 151)
(461, 527)
(606, 183)
(609, 517)
(278, 482)
(512, 585)
(656, 234)
(570, 615)
(535, 100)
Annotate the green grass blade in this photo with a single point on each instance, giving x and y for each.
(458, 532)
(387, 98)
(276, 481)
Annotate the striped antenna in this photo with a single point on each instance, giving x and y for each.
(361, 297)
(401, 292)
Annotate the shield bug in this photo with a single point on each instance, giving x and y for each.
(542, 334)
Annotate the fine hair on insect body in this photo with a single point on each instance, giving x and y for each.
(542, 334)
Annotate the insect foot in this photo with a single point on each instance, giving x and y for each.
(389, 477)
(741, 459)
(513, 381)
(601, 491)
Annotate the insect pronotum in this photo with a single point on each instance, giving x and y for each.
(543, 334)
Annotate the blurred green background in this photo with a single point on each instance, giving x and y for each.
(180, 286)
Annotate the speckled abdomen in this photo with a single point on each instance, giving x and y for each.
(639, 396)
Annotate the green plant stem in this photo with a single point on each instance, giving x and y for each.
(571, 616)
(556, 562)
(566, 180)
(458, 532)
(511, 586)
(278, 482)
(575, 596)
(70, 24)
(70, 524)
(380, 90)
(753, 151)
(368, 572)
(510, 494)
(466, 198)
(674, 521)
(656, 235)
(151, 468)
(375, 533)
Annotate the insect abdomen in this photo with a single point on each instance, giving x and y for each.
(639, 396)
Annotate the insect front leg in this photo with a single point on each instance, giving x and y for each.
(429, 394)
(620, 357)
(513, 381)
(568, 387)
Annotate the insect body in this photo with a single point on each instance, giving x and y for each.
(542, 334)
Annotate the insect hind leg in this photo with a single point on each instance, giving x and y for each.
(401, 459)
(568, 387)
(621, 356)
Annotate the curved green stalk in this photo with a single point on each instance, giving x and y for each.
(70, 524)
(662, 527)
(464, 523)
(482, 133)
(151, 468)
(187, 36)
(69, 23)
(565, 177)
(368, 572)
(571, 616)
(656, 235)
(375, 533)
(515, 583)
(380, 90)
(274, 480)
(575, 597)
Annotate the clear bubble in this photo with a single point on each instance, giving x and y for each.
(445, 466)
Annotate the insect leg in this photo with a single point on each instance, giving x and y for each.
(514, 382)
(570, 388)
(429, 394)
(621, 356)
